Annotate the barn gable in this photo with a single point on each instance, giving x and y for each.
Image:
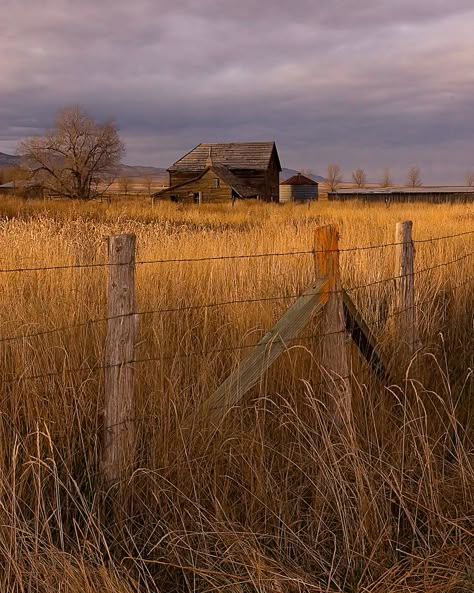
(214, 184)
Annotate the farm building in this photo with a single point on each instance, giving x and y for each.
(221, 172)
(25, 189)
(8, 189)
(298, 188)
(436, 195)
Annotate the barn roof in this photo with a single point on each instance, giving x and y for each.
(233, 155)
(299, 179)
(242, 189)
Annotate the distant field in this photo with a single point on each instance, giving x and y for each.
(275, 501)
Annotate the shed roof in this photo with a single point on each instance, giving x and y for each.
(456, 189)
(299, 179)
(233, 155)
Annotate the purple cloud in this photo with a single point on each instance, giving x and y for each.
(370, 84)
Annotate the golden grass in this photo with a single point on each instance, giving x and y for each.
(279, 500)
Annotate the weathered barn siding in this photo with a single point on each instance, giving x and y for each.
(254, 164)
(435, 195)
(178, 177)
(215, 184)
(205, 184)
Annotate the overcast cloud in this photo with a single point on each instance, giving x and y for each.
(370, 84)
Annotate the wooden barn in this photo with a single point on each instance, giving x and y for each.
(221, 172)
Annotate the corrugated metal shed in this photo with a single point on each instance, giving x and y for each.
(448, 189)
(436, 194)
(233, 155)
(298, 188)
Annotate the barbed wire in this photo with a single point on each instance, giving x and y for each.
(204, 353)
(415, 273)
(180, 309)
(227, 257)
(416, 305)
(183, 309)
(194, 354)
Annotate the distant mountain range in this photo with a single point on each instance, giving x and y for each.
(122, 170)
(8, 160)
(287, 173)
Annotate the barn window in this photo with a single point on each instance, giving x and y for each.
(216, 182)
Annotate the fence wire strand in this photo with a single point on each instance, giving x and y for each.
(229, 257)
(217, 304)
(91, 322)
(291, 343)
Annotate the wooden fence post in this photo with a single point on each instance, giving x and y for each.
(333, 352)
(119, 424)
(405, 312)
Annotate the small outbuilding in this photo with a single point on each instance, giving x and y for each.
(435, 195)
(298, 188)
(8, 189)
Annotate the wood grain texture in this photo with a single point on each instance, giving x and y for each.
(234, 155)
(119, 426)
(267, 350)
(333, 350)
(364, 339)
(405, 312)
(204, 183)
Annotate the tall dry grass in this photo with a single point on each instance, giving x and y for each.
(280, 499)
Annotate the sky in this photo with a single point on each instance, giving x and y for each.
(366, 83)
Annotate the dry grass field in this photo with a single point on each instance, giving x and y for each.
(279, 499)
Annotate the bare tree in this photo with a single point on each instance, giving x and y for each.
(75, 156)
(124, 184)
(386, 178)
(333, 176)
(359, 177)
(414, 177)
(469, 178)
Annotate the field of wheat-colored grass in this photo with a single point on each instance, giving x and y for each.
(280, 499)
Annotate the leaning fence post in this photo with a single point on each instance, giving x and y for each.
(334, 359)
(119, 425)
(405, 312)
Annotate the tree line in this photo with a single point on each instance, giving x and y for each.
(359, 177)
(76, 158)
